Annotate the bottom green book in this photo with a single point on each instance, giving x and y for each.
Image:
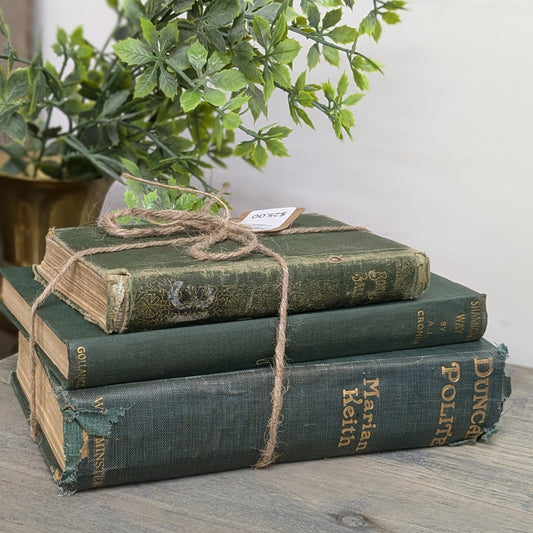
(153, 430)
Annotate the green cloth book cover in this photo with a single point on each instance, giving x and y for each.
(163, 286)
(84, 356)
(193, 425)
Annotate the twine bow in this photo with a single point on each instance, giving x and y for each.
(202, 231)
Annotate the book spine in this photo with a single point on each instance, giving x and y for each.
(236, 345)
(171, 428)
(243, 290)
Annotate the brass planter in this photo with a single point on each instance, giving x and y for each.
(30, 206)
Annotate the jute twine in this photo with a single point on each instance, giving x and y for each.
(202, 230)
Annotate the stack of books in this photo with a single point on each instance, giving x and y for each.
(153, 365)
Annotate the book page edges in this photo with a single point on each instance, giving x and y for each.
(44, 335)
(102, 297)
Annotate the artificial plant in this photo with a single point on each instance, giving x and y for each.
(180, 85)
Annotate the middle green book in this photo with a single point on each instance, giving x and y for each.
(84, 356)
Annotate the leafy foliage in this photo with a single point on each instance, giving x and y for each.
(181, 85)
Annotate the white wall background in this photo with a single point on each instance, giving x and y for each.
(442, 153)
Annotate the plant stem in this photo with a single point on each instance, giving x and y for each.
(320, 40)
(16, 59)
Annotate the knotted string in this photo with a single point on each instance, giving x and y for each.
(202, 231)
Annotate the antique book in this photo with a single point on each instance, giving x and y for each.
(84, 356)
(167, 428)
(158, 287)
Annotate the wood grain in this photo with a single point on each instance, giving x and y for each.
(469, 488)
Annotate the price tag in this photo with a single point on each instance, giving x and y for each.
(267, 220)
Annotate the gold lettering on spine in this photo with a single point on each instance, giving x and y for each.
(380, 284)
(350, 398)
(99, 451)
(447, 405)
(371, 391)
(351, 419)
(359, 284)
(460, 321)
(81, 380)
(420, 317)
(371, 285)
(480, 399)
(475, 320)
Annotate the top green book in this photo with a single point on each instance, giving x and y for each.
(157, 287)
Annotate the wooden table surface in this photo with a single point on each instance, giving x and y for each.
(469, 488)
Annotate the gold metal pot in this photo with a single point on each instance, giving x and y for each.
(30, 206)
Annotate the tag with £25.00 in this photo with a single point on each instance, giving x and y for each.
(270, 220)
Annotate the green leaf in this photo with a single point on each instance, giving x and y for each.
(14, 127)
(231, 121)
(130, 198)
(276, 148)
(112, 133)
(186, 201)
(342, 86)
(244, 148)
(18, 84)
(133, 169)
(146, 83)
(197, 55)
(300, 82)
(190, 99)
(168, 36)
(259, 156)
(330, 3)
(347, 119)
(61, 37)
(167, 83)
(279, 31)
(243, 59)
(278, 132)
(133, 52)
(331, 18)
(377, 31)
(229, 80)
(360, 80)
(85, 51)
(215, 97)
(76, 37)
(331, 55)
(281, 75)
(368, 24)
(257, 101)
(390, 17)
(343, 34)
(370, 65)
(237, 102)
(149, 32)
(313, 15)
(305, 117)
(329, 91)
(212, 36)
(286, 51)
(113, 103)
(222, 12)
(50, 168)
(133, 9)
(149, 200)
(353, 99)
(261, 29)
(217, 61)
(3, 82)
(313, 56)
(178, 61)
